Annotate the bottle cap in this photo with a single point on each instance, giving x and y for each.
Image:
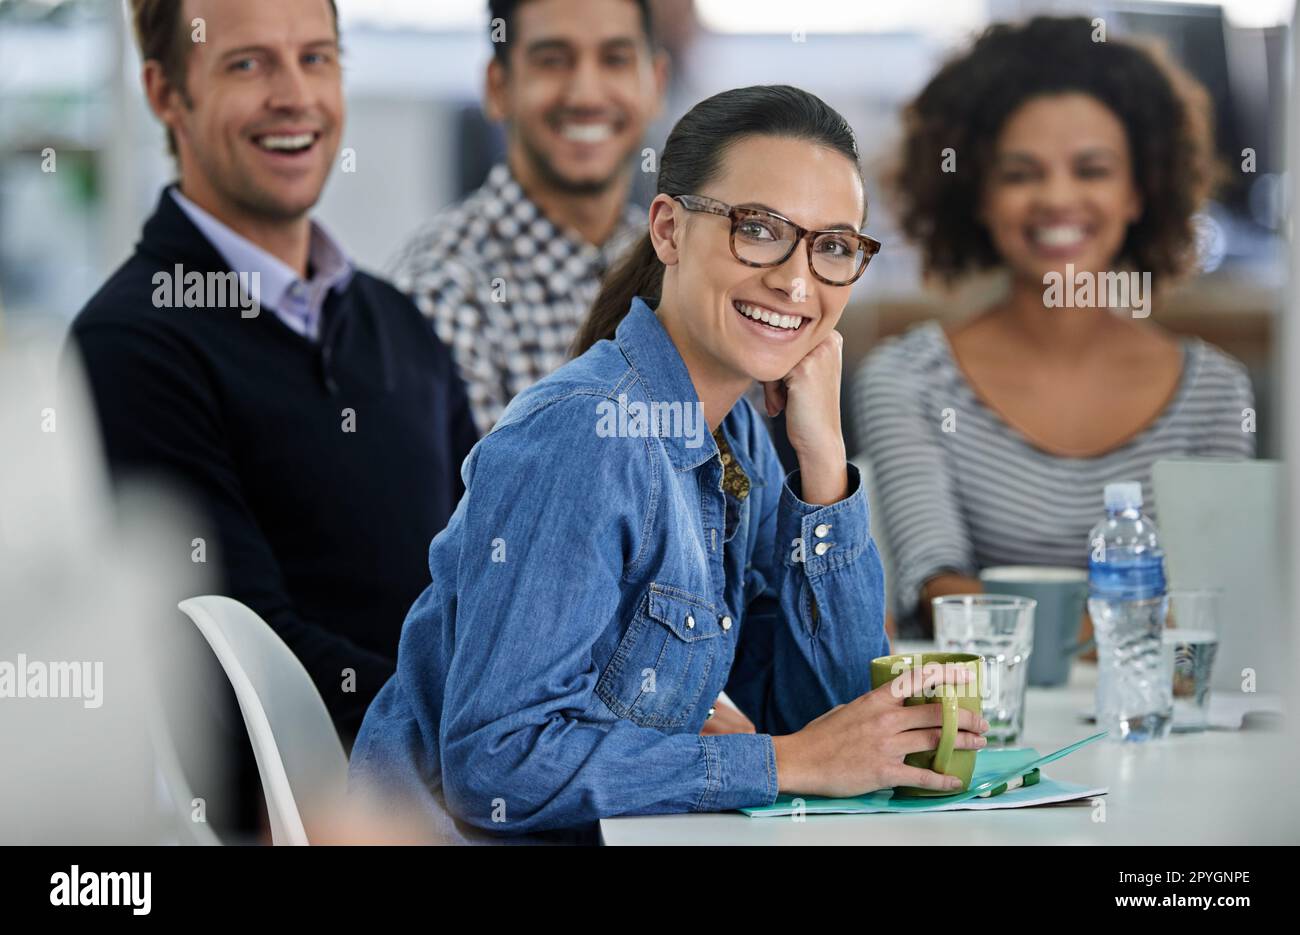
(1123, 496)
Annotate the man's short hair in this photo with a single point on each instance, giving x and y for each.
(163, 37)
(504, 11)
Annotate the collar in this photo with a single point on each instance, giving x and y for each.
(330, 267)
(502, 186)
(651, 352)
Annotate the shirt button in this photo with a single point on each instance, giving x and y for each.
(726, 623)
(822, 530)
(711, 710)
(822, 548)
(690, 622)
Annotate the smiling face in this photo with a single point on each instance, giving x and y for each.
(1060, 188)
(257, 126)
(745, 323)
(581, 86)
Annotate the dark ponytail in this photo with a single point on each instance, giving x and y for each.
(692, 158)
(637, 272)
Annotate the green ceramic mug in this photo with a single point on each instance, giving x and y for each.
(945, 758)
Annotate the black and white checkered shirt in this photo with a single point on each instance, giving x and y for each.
(505, 288)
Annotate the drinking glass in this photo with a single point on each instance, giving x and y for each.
(1191, 640)
(1001, 629)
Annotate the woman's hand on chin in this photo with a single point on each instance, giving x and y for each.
(810, 396)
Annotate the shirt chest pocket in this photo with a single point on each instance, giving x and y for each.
(662, 664)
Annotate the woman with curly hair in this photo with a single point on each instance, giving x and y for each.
(1063, 161)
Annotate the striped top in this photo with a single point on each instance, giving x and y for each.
(962, 490)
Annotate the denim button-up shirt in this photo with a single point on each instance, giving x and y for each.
(593, 593)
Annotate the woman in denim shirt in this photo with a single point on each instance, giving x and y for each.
(628, 546)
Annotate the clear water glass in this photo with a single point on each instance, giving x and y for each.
(1001, 629)
(1191, 640)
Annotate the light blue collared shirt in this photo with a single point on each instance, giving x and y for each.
(295, 301)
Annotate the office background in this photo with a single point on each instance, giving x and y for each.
(69, 81)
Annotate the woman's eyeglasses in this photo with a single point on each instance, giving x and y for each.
(764, 238)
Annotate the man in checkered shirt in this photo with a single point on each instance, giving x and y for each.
(507, 275)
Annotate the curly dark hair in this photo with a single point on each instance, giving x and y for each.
(1166, 115)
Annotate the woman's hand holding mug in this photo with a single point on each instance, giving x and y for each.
(858, 747)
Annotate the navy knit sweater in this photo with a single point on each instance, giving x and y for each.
(323, 531)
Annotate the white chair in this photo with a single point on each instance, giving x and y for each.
(174, 787)
(299, 756)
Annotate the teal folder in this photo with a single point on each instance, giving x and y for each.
(993, 768)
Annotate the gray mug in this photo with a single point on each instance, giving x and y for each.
(1061, 594)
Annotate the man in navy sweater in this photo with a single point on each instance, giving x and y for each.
(308, 407)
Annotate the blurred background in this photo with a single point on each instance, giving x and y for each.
(414, 73)
(414, 70)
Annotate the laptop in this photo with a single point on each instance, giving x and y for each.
(1221, 526)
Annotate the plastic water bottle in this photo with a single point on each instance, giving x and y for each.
(1127, 601)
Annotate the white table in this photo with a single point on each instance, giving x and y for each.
(1204, 788)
